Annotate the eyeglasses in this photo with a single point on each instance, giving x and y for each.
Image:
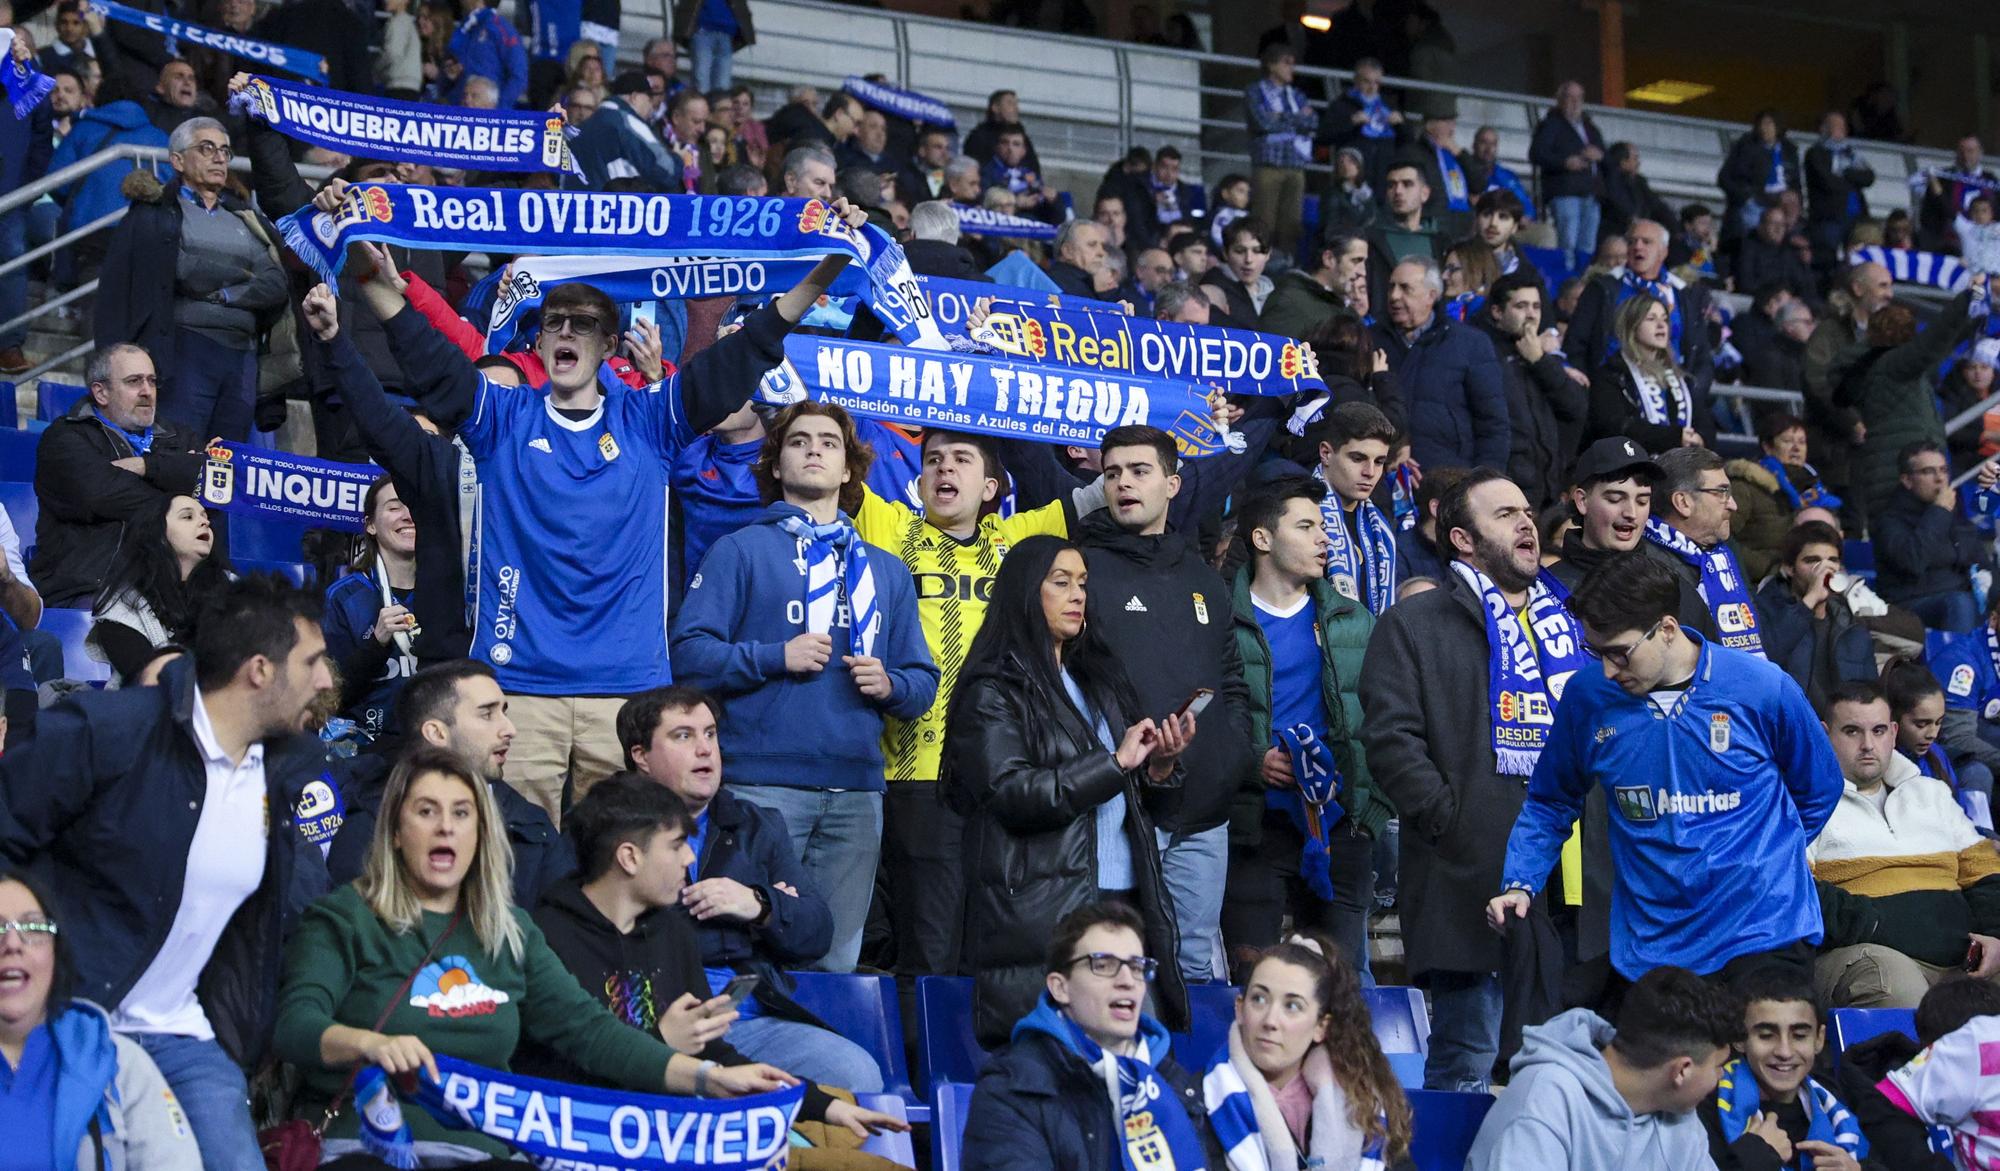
(32, 932)
(1106, 965)
(213, 150)
(574, 324)
(1623, 658)
(1723, 491)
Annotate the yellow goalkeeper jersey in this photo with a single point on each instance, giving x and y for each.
(954, 579)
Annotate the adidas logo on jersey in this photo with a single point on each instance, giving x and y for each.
(541, 444)
(1135, 606)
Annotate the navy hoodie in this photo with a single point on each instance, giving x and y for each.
(811, 731)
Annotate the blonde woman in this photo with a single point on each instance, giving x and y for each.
(426, 952)
(1641, 392)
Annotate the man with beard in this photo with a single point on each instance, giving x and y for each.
(1458, 691)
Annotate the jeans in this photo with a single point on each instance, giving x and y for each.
(13, 286)
(214, 389)
(1951, 610)
(45, 661)
(712, 52)
(921, 859)
(838, 836)
(804, 1051)
(1196, 867)
(212, 1094)
(1576, 219)
(1465, 1030)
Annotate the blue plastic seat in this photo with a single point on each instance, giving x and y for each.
(10, 409)
(947, 1049)
(23, 511)
(54, 399)
(1442, 1127)
(1852, 1026)
(891, 1145)
(297, 571)
(17, 455)
(865, 1010)
(949, 1103)
(72, 626)
(1212, 1008)
(1402, 1028)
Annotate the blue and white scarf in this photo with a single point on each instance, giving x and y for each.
(1377, 126)
(1457, 190)
(952, 300)
(1152, 1130)
(278, 485)
(1315, 806)
(906, 104)
(296, 62)
(1662, 402)
(1250, 1129)
(670, 279)
(1525, 678)
(1238, 361)
(1722, 585)
(1738, 1100)
(409, 132)
(1664, 290)
(559, 1125)
(1910, 267)
(988, 396)
(1363, 571)
(837, 573)
(1815, 495)
(601, 223)
(980, 221)
(26, 85)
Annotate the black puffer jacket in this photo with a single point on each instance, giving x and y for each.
(1027, 774)
(1167, 617)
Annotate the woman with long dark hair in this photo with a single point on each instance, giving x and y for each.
(1301, 1080)
(370, 616)
(1045, 757)
(167, 561)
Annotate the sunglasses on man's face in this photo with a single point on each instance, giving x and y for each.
(573, 324)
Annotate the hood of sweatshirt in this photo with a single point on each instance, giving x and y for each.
(125, 115)
(1574, 1041)
(604, 961)
(1100, 531)
(88, 1066)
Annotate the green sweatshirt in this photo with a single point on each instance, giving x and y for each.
(343, 964)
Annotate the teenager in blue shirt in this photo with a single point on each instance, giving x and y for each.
(1716, 773)
(812, 637)
(570, 536)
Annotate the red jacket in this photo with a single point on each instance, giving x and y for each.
(472, 341)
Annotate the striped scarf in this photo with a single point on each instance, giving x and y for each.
(1252, 1132)
(1827, 1121)
(1354, 566)
(1525, 677)
(837, 570)
(1723, 586)
(1815, 494)
(1662, 402)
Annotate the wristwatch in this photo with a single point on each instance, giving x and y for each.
(764, 905)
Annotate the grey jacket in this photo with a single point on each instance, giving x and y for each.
(1562, 1110)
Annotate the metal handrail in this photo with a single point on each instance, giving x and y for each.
(29, 257)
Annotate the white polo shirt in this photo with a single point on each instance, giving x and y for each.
(225, 865)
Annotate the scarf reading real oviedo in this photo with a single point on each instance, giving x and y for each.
(612, 224)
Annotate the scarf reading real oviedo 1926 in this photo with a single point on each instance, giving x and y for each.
(600, 223)
(1722, 585)
(1525, 677)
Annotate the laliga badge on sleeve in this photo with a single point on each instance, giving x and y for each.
(1993, 709)
(1718, 732)
(1961, 680)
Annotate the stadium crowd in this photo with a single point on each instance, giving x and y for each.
(638, 693)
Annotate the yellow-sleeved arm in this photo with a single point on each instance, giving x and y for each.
(1572, 867)
(883, 523)
(1048, 520)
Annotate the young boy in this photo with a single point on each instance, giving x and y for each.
(1948, 1085)
(1767, 1111)
(1232, 203)
(612, 926)
(1979, 236)
(1498, 214)
(1355, 439)
(1192, 257)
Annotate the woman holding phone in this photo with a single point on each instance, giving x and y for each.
(1045, 757)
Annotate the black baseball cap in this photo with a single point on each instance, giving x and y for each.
(1615, 458)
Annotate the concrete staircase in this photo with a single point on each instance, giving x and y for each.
(50, 335)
